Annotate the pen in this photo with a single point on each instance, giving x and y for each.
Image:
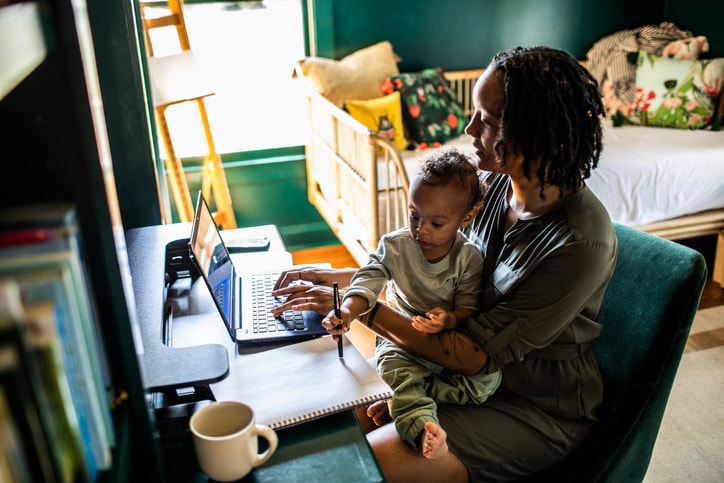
(338, 314)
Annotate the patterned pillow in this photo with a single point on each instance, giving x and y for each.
(673, 92)
(357, 76)
(430, 110)
(383, 115)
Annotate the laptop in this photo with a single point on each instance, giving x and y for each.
(244, 299)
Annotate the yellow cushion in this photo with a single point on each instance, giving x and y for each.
(372, 112)
(359, 75)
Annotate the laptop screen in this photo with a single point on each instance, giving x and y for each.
(212, 257)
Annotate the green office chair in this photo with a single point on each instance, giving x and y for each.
(646, 315)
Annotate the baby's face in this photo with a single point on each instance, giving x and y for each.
(436, 213)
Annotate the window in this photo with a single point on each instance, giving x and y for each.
(248, 50)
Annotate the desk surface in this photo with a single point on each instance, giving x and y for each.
(332, 448)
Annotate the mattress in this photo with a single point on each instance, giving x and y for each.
(649, 174)
(646, 174)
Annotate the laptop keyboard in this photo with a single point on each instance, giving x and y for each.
(219, 294)
(264, 321)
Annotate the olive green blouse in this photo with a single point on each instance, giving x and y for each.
(544, 280)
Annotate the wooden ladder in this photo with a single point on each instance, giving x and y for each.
(175, 79)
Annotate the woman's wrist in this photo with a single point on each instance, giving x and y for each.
(368, 317)
(452, 321)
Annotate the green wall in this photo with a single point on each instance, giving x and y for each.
(467, 33)
(701, 17)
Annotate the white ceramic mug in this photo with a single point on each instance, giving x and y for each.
(226, 440)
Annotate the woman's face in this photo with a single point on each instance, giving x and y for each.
(488, 95)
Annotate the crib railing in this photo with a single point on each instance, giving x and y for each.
(357, 179)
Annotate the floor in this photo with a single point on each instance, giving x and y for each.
(690, 442)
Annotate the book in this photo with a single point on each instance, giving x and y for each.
(26, 454)
(35, 233)
(40, 251)
(38, 379)
(61, 416)
(47, 284)
(301, 382)
(51, 288)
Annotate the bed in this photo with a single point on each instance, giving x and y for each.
(668, 182)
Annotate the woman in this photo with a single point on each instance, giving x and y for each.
(549, 250)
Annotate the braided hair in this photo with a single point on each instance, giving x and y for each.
(551, 112)
(450, 166)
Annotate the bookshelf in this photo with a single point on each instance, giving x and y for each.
(56, 151)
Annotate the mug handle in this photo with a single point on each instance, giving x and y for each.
(271, 436)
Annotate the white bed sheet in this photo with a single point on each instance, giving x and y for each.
(649, 174)
(646, 174)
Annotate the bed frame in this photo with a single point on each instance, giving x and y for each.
(358, 182)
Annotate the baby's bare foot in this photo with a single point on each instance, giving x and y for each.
(379, 412)
(434, 441)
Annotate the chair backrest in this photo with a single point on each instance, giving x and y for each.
(646, 315)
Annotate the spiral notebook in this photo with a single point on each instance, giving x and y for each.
(301, 382)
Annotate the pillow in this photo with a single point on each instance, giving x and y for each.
(357, 76)
(674, 93)
(430, 109)
(383, 115)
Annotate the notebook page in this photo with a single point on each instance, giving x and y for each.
(301, 382)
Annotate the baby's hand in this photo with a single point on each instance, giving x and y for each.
(432, 322)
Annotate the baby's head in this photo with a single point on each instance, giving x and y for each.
(449, 167)
(445, 195)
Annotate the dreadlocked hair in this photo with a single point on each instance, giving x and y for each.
(551, 112)
(450, 166)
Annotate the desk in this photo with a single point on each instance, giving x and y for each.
(332, 448)
(198, 360)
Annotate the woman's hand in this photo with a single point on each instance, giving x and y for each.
(316, 276)
(309, 288)
(303, 296)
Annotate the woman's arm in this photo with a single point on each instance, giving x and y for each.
(451, 349)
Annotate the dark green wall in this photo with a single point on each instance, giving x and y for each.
(701, 17)
(467, 33)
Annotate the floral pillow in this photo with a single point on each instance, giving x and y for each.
(430, 109)
(673, 93)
